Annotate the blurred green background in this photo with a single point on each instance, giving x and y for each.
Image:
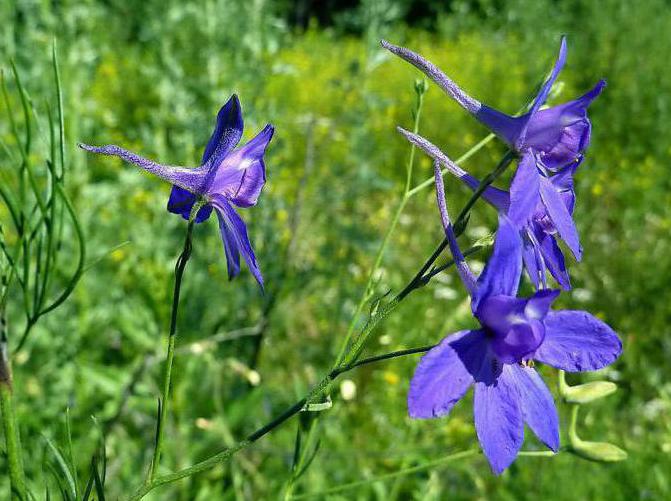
(151, 75)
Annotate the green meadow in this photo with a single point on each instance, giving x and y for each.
(151, 75)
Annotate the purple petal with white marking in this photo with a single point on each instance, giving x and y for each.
(227, 132)
(242, 174)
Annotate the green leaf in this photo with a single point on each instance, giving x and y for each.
(63, 467)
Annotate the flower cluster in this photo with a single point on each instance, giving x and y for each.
(497, 358)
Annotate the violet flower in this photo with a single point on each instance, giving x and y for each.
(549, 141)
(539, 233)
(558, 135)
(497, 358)
(226, 177)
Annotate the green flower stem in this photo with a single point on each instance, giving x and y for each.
(163, 407)
(12, 442)
(11, 430)
(413, 469)
(417, 112)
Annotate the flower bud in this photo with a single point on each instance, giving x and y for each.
(588, 392)
(598, 451)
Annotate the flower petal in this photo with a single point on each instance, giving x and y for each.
(501, 275)
(538, 305)
(524, 190)
(576, 341)
(443, 375)
(181, 202)
(554, 260)
(227, 132)
(234, 231)
(563, 132)
(241, 175)
(561, 217)
(543, 93)
(231, 247)
(190, 179)
(507, 128)
(537, 404)
(498, 421)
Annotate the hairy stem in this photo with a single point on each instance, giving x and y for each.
(160, 425)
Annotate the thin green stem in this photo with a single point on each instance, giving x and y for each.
(422, 277)
(160, 425)
(417, 112)
(407, 471)
(11, 430)
(12, 443)
(414, 469)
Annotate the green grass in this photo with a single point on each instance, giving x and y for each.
(152, 77)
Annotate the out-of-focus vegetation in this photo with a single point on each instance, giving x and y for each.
(151, 75)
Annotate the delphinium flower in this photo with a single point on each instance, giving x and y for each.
(226, 177)
(540, 250)
(497, 358)
(549, 141)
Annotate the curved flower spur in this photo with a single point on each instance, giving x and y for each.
(226, 177)
(497, 358)
(550, 141)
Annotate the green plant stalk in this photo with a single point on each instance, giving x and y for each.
(11, 430)
(413, 469)
(167, 377)
(12, 442)
(387, 237)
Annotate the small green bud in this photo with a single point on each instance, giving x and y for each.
(421, 86)
(486, 241)
(318, 406)
(588, 392)
(598, 451)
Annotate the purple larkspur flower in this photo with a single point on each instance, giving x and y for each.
(227, 176)
(549, 141)
(548, 220)
(497, 357)
(559, 134)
